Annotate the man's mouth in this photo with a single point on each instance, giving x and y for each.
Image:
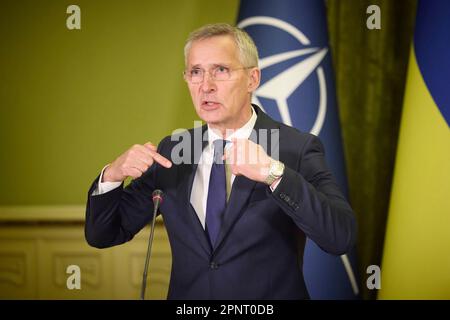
(210, 104)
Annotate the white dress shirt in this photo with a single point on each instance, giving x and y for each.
(199, 194)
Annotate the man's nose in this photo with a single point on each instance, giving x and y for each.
(208, 84)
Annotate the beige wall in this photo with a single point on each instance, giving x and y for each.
(73, 100)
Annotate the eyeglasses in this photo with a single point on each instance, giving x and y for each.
(218, 73)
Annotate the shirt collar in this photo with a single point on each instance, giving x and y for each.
(241, 133)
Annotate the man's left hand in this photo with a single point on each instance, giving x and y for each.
(248, 159)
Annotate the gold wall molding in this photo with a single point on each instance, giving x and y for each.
(38, 243)
(46, 213)
(62, 213)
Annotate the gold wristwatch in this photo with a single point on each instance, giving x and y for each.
(276, 171)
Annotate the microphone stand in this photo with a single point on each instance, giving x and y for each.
(157, 199)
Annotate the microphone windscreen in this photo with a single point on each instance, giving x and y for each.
(157, 194)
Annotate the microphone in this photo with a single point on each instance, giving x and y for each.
(157, 197)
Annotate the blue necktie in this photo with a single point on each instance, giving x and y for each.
(217, 194)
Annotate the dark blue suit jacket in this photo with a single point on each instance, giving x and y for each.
(259, 252)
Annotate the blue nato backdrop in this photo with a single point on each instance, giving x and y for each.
(297, 88)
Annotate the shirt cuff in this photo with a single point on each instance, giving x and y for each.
(274, 185)
(104, 187)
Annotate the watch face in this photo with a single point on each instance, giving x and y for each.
(278, 169)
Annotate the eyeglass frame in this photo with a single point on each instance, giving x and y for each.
(186, 76)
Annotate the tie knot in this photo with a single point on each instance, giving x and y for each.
(219, 147)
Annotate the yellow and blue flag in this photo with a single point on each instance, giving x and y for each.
(297, 88)
(416, 257)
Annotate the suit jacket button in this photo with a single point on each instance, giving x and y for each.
(287, 199)
(213, 265)
(282, 195)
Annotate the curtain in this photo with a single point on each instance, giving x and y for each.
(370, 69)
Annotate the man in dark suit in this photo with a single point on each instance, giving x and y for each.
(241, 193)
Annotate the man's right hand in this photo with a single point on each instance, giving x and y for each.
(134, 162)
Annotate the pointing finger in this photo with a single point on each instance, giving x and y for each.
(161, 160)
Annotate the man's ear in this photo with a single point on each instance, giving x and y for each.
(254, 79)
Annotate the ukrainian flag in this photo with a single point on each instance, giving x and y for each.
(416, 258)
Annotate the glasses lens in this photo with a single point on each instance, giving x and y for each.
(196, 75)
(221, 73)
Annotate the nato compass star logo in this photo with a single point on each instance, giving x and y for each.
(283, 85)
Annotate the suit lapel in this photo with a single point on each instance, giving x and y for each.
(240, 193)
(185, 179)
(242, 186)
